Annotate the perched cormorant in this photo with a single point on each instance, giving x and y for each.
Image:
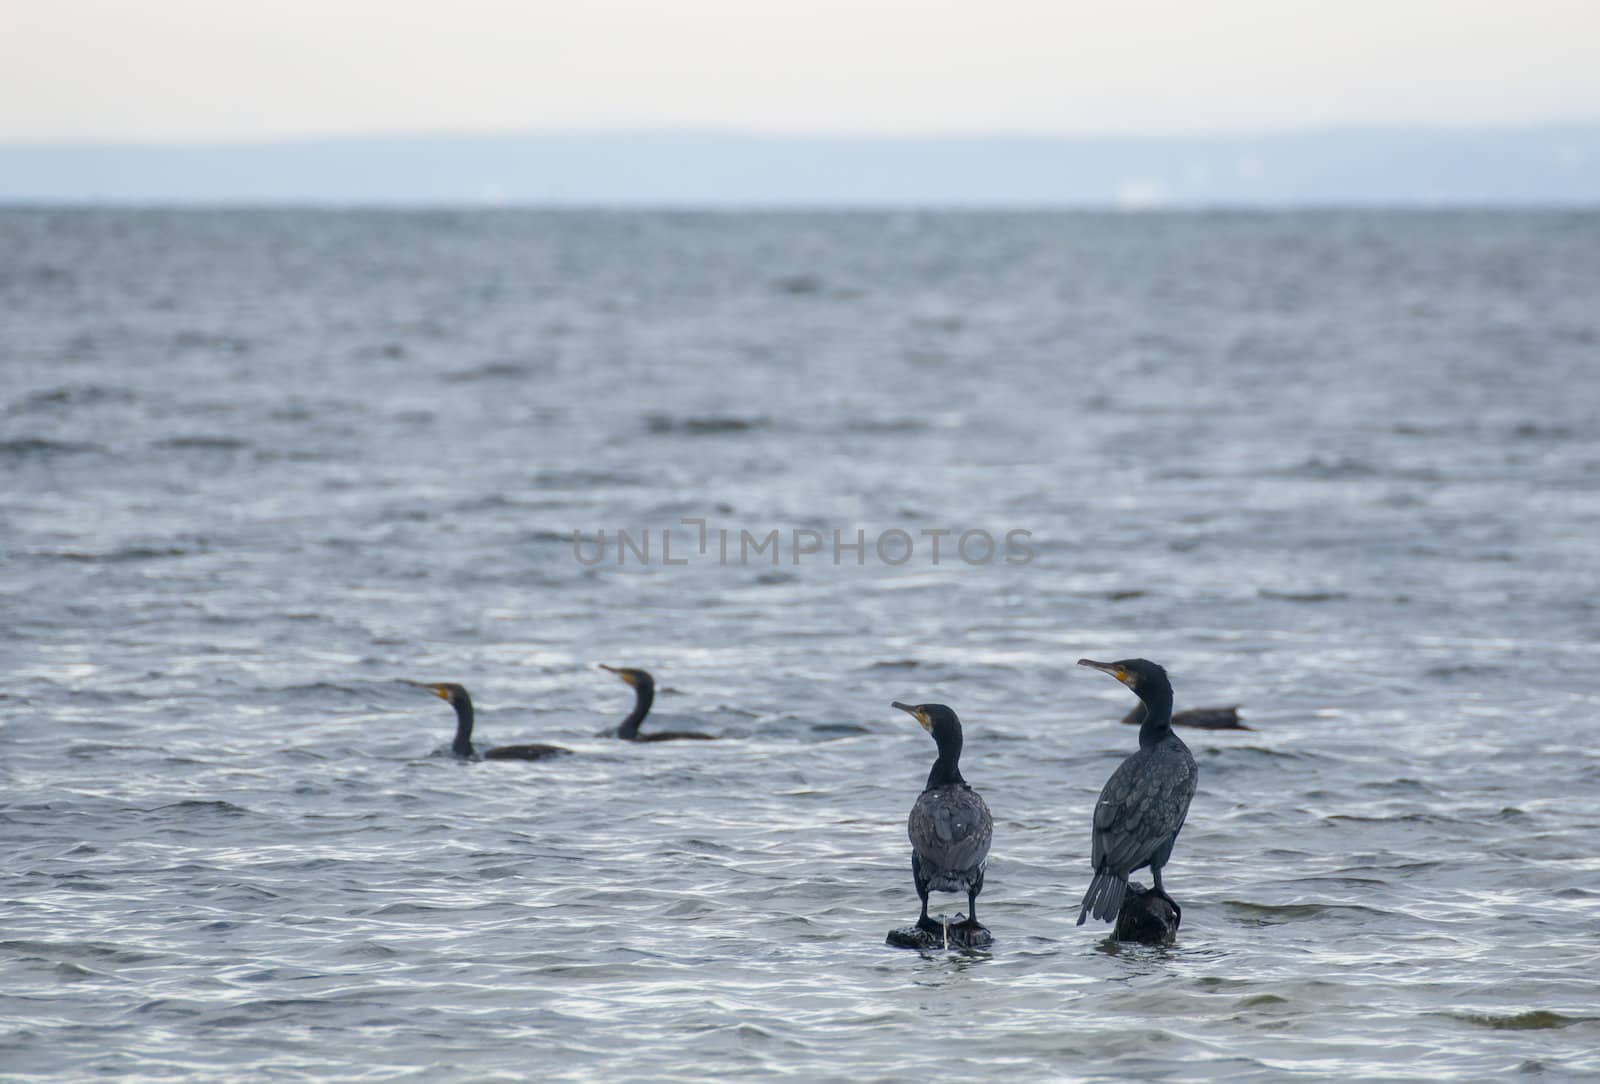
(462, 746)
(644, 693)
(1195, 718)
(1143, 804)
(950, 826)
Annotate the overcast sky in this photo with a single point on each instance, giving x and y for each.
(249, 69)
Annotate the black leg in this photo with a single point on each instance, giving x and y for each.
(1177, 911)
(976, 887)
(923, 921)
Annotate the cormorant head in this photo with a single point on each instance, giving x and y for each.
(449, 690)
(457, 697)
(936, 719)
(639, 679)
(1144, 677)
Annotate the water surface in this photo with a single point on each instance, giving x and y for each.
(1343, 469)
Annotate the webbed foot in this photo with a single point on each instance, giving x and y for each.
(1177, 911)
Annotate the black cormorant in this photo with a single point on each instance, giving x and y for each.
(950, 826)
(462, 746)
(644, 693)
(1143, 804)
(1195, 718)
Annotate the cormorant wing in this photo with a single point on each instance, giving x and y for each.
(951, 828)
(1142, 806)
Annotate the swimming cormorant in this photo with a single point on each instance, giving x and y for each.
(462, 746)
(644, 693)
(950, 826)
(1143, 804)
(1195, 718)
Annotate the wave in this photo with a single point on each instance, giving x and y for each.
(44, 448)
(70, 396)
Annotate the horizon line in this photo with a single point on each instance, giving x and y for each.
(1028, 135)
(381, 205)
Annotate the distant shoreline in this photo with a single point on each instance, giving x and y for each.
(1433, 168)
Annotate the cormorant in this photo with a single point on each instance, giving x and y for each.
(1143, 804)
(462, 747)
(1196, 718)
(644, 693)
(950, 826)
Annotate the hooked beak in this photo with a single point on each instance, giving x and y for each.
(619, 671)
(916, 713)
(1108, 667)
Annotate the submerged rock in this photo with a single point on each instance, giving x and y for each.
(955, 933)
(1146, 917)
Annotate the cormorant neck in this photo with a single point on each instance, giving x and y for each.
(463, 743)
(947, 769)
(644, 695)
(945, 773)
(1157, 717)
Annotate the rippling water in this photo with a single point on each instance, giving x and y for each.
(1343, 469)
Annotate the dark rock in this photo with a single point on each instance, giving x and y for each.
(1146, 917)
(960, 933)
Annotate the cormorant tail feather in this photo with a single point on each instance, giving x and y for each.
(1104, 898)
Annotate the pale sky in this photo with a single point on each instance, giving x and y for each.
(250, 69)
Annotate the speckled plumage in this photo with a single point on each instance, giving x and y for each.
(950, 826)
(950, 829)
